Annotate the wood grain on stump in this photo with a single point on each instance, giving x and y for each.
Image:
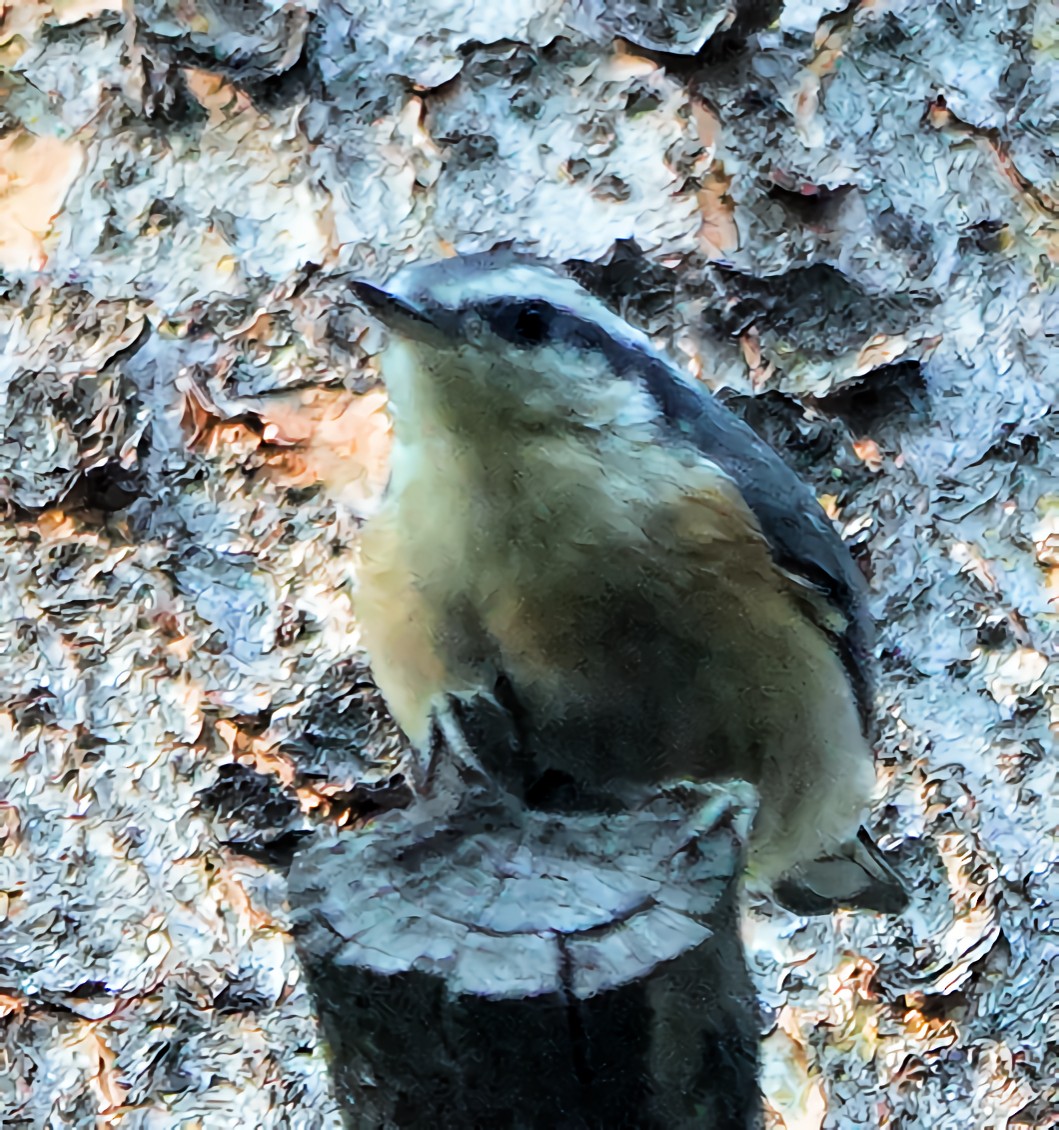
(505, 968)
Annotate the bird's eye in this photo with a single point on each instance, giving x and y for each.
(522, 323)
(531, 325)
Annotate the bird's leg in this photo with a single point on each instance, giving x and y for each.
(433, 766)
(703, 807)
(709, 804)
(446, 736)
(449, 770)
(451, 731)
(731, 802)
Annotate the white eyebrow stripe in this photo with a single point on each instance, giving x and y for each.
(521, 283)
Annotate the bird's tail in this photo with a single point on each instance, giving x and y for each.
(858, 876)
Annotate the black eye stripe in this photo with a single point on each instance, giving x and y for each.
(523, 323)
(534, 321)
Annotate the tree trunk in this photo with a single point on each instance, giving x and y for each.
(532, 971)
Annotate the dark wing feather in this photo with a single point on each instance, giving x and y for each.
(803, 541)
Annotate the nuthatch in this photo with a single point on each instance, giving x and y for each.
(574, 531)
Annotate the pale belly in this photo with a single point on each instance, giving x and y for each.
(651, 641)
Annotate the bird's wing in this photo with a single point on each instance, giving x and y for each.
(804, 544)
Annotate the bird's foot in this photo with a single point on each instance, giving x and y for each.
(709, 804)
(447, 774)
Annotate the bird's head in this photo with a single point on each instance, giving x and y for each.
(508, 340)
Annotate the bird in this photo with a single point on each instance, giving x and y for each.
(579, 536)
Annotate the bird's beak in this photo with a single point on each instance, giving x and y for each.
(396, 314)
